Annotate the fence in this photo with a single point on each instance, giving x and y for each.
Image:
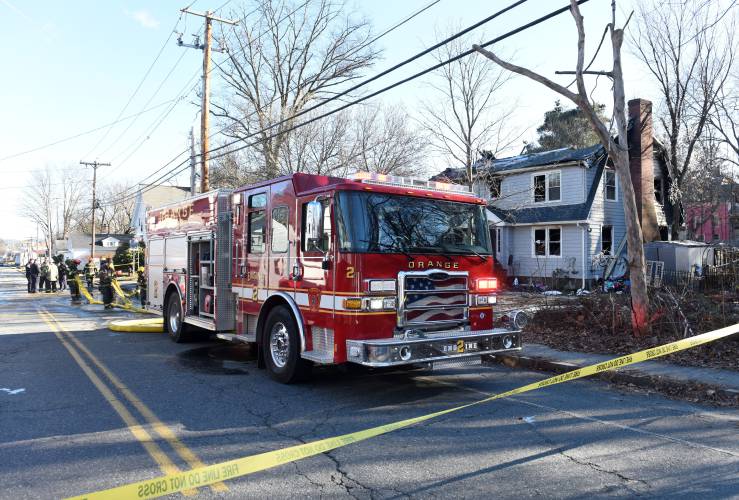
(709, 279)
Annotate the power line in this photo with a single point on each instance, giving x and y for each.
(141, 83)
(161, 84)
(385, 89)
(87, 132)
(383, 73)
(378, 37)
(389, 87)
(181, 95)
(198, 72)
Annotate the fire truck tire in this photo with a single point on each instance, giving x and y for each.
(177, 330)
(281, 347)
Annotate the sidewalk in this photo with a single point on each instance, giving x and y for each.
(646, 374)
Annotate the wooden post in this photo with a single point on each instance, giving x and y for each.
(94, 164)
(205, 111)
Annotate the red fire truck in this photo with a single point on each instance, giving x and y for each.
(376, 270)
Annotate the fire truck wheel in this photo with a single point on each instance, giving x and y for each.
(281, 344)
(178, 331)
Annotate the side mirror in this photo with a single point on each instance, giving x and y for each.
(313, 221)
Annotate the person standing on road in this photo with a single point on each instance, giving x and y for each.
(74, 289)
(89, 273)
(141, 281)
(35, 271)
(28, 274)
(52, 277)
(105, 276)
(43, 284)
(63, 272)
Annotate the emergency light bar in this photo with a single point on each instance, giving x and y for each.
(392, 180)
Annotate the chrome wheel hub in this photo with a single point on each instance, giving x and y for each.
(279, 345)
(174, 318)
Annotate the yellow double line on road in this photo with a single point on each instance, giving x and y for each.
(76, 349)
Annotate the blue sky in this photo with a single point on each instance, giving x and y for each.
(71, 67)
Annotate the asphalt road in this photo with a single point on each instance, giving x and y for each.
(100, 409)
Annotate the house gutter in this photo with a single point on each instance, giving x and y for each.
(582, 252)
(548, 166)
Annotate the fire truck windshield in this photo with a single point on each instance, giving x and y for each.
(385, 223)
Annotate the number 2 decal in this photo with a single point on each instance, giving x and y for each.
(350, 272)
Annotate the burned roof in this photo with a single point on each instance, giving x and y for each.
(588, 156)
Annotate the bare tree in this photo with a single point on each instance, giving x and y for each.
(387, 143)
(38, 203)
(280, 62)
(52, 201)
(725, 118)
(618, 153)
(711, 185)
(465, 114)
(690, 57)
(113, 214)
(323, 147)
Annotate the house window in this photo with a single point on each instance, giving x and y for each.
(494, 187)
(547, 242)
(547, 187)
(554, 244)
(658, 195)
(553, 191)
(540, 242)
(606, 240)
(610, 181)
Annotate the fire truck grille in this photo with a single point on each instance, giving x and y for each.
(431, 298)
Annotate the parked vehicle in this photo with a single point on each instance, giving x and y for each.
(375, 270)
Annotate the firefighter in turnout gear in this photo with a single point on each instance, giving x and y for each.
(73, 273)
(89, 273)
(141, 281)
(105, 276)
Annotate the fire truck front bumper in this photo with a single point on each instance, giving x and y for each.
(438, 346)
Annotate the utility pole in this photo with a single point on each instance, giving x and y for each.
(94, 164)
(205, 111)
(192, 162)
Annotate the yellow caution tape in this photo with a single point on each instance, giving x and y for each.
(149, 325)
(203, 476)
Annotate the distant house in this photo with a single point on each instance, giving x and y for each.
(558, 213)
(151, 196)
(77, 245)
(717, 221)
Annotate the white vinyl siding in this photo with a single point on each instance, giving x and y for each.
(517, 189)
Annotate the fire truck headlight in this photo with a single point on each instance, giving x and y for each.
(375, 304)
(379, 353)
(388, 303)
(381, 286)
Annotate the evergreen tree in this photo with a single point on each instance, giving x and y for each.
(566, 128)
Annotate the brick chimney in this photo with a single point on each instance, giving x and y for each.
(641, 141)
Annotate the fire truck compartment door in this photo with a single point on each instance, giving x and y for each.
(175, 260)
(155, 268)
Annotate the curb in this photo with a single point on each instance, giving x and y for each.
(628, 376)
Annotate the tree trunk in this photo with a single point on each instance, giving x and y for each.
(618, 153)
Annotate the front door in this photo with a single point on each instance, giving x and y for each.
(316, 263)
